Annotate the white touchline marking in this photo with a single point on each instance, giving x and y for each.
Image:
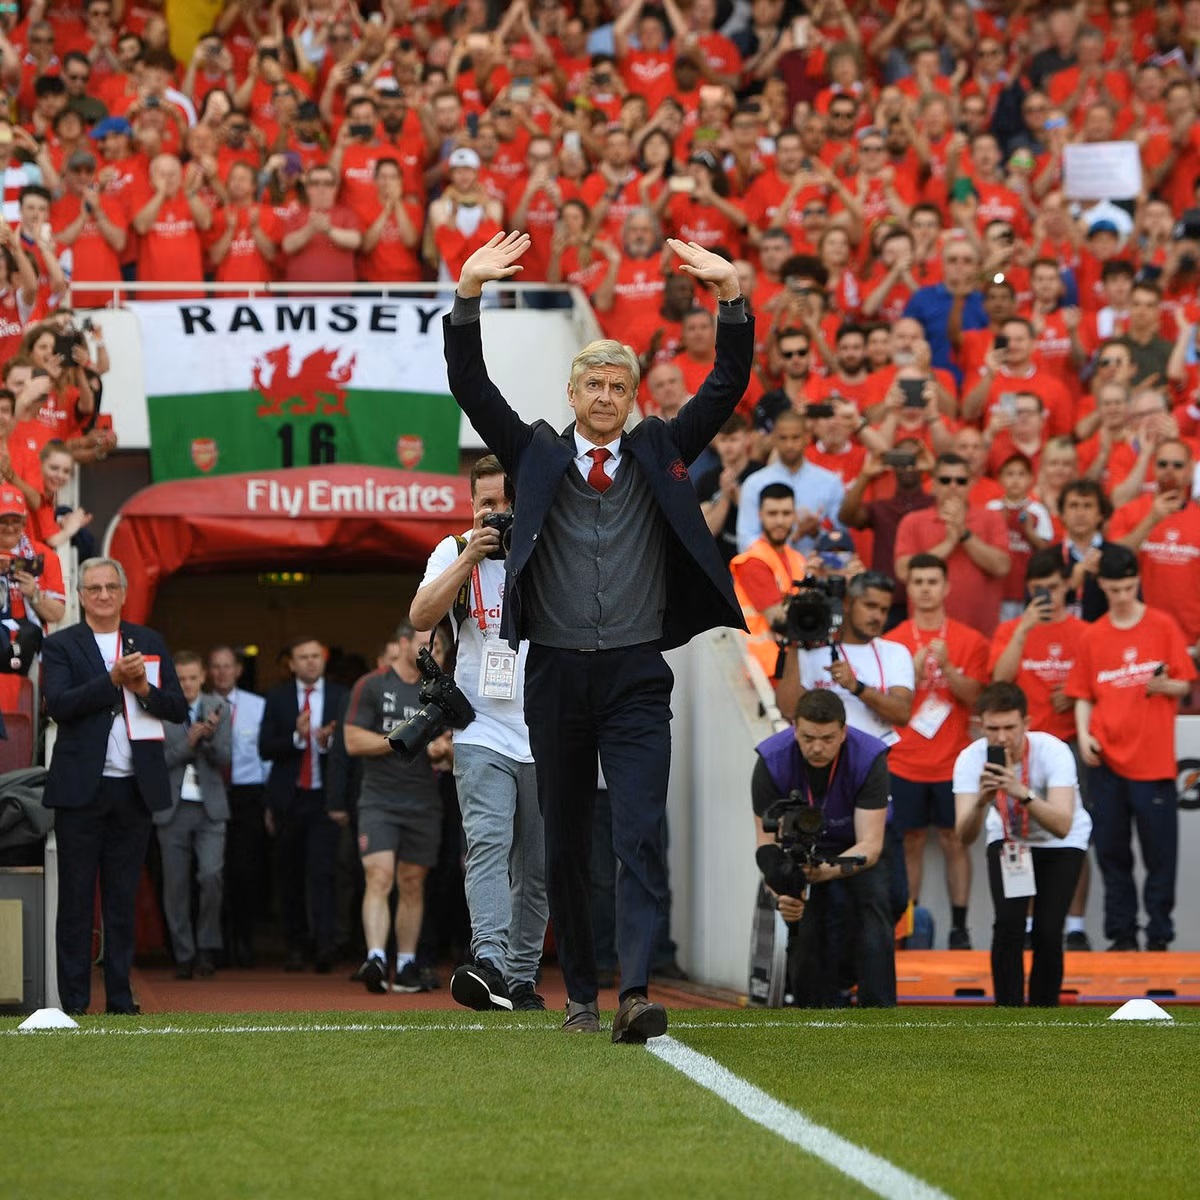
(127, 1030)
(875, 1173)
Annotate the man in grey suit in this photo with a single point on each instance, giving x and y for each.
(198, 755)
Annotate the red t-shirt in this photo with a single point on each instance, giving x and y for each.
(171, 248)
(974, 596)
(931, 759)
(392, 261)
(92, 257)
(319, 260)
(1047, 657)
(1136, 731)
(1169, 560)
(637, 299)
(244, 262)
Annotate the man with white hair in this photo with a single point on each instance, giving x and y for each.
(610, 563)
(169, 223)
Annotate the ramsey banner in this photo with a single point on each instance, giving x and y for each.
(254, 385)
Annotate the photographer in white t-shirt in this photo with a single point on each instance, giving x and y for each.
(1022, 789)
(872, 677)
(493, 765)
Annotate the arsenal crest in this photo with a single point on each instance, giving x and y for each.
(410, 449)
(678, 469)
(204, 453)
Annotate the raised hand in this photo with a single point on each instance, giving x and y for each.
(706, 266)
(496, 259)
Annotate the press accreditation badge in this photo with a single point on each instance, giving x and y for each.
(1016, 870)
(498, 671)
(930, 717)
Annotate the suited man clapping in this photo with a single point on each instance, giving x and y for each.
(198, 754)
(103, 784)
(299, 720)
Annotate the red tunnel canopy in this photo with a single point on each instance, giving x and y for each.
(305, 517)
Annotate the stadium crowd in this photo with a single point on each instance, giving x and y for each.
(961, 351)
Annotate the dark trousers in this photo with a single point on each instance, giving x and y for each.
(245, 866)
(107, 836)
(846, 921)
(1055, 873)
(1118, 806)
(615, 703)
(308, 842)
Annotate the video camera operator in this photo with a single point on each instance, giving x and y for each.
(873, 677)
(493, 764)
(823, 767)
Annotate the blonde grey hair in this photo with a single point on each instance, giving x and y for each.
(606, 353)
(94, 564)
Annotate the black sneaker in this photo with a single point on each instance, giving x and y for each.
(1123, 944)
(525, 999)
(373, 976)
(1077, 939)
(408, 979)
(960, 939)
(479, 985)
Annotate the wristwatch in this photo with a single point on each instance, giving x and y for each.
(859, 687)
(1028, 799)
(964, 536)
(738, 299)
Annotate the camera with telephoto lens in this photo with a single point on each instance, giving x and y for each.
(814, 613)
(502, 523)
(797, 827)
(443, 706)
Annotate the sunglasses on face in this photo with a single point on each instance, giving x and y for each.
(1170, 464)
(793, 353)
(953, 480)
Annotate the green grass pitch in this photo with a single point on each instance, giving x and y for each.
(978, 1102)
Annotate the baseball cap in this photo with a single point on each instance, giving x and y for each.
(835, 541)
(767, 410)
(1117, 562)
(1103, 226)
(110, 125)
(12, 503)
(705, 158)
(464, 156)
(81, 160)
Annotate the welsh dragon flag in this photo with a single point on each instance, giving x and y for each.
(251, 385)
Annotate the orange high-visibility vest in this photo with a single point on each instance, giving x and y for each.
(786, 565)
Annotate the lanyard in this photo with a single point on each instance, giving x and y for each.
(932, 670)
(1009, 809)
(480, 614)
(808, 796)
(882, 687)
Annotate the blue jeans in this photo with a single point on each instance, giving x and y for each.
(1119, 806)
(506, 859)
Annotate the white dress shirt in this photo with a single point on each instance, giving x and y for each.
(584, 460)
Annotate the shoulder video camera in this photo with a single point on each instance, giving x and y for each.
(815, 610)
(443, 706)
(797, 827)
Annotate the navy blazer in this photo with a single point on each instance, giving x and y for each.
(82, 698)
(275, 744)
(699, 586)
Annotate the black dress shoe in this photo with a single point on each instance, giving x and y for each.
(205, 968)
(1123, 944)
(184, 970)
(124, 1010)
(638, 1020)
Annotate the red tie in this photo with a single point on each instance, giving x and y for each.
(597, 476)
(306, 759)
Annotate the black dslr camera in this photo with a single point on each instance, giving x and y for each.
(797, 827)
(815, 609)
(443, 706)
(502, 523)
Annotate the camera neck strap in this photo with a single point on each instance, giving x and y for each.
(1014, 817)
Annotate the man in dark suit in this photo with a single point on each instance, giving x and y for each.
(198, 756)
(298, 723)
(611, 563)
(103, 784)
